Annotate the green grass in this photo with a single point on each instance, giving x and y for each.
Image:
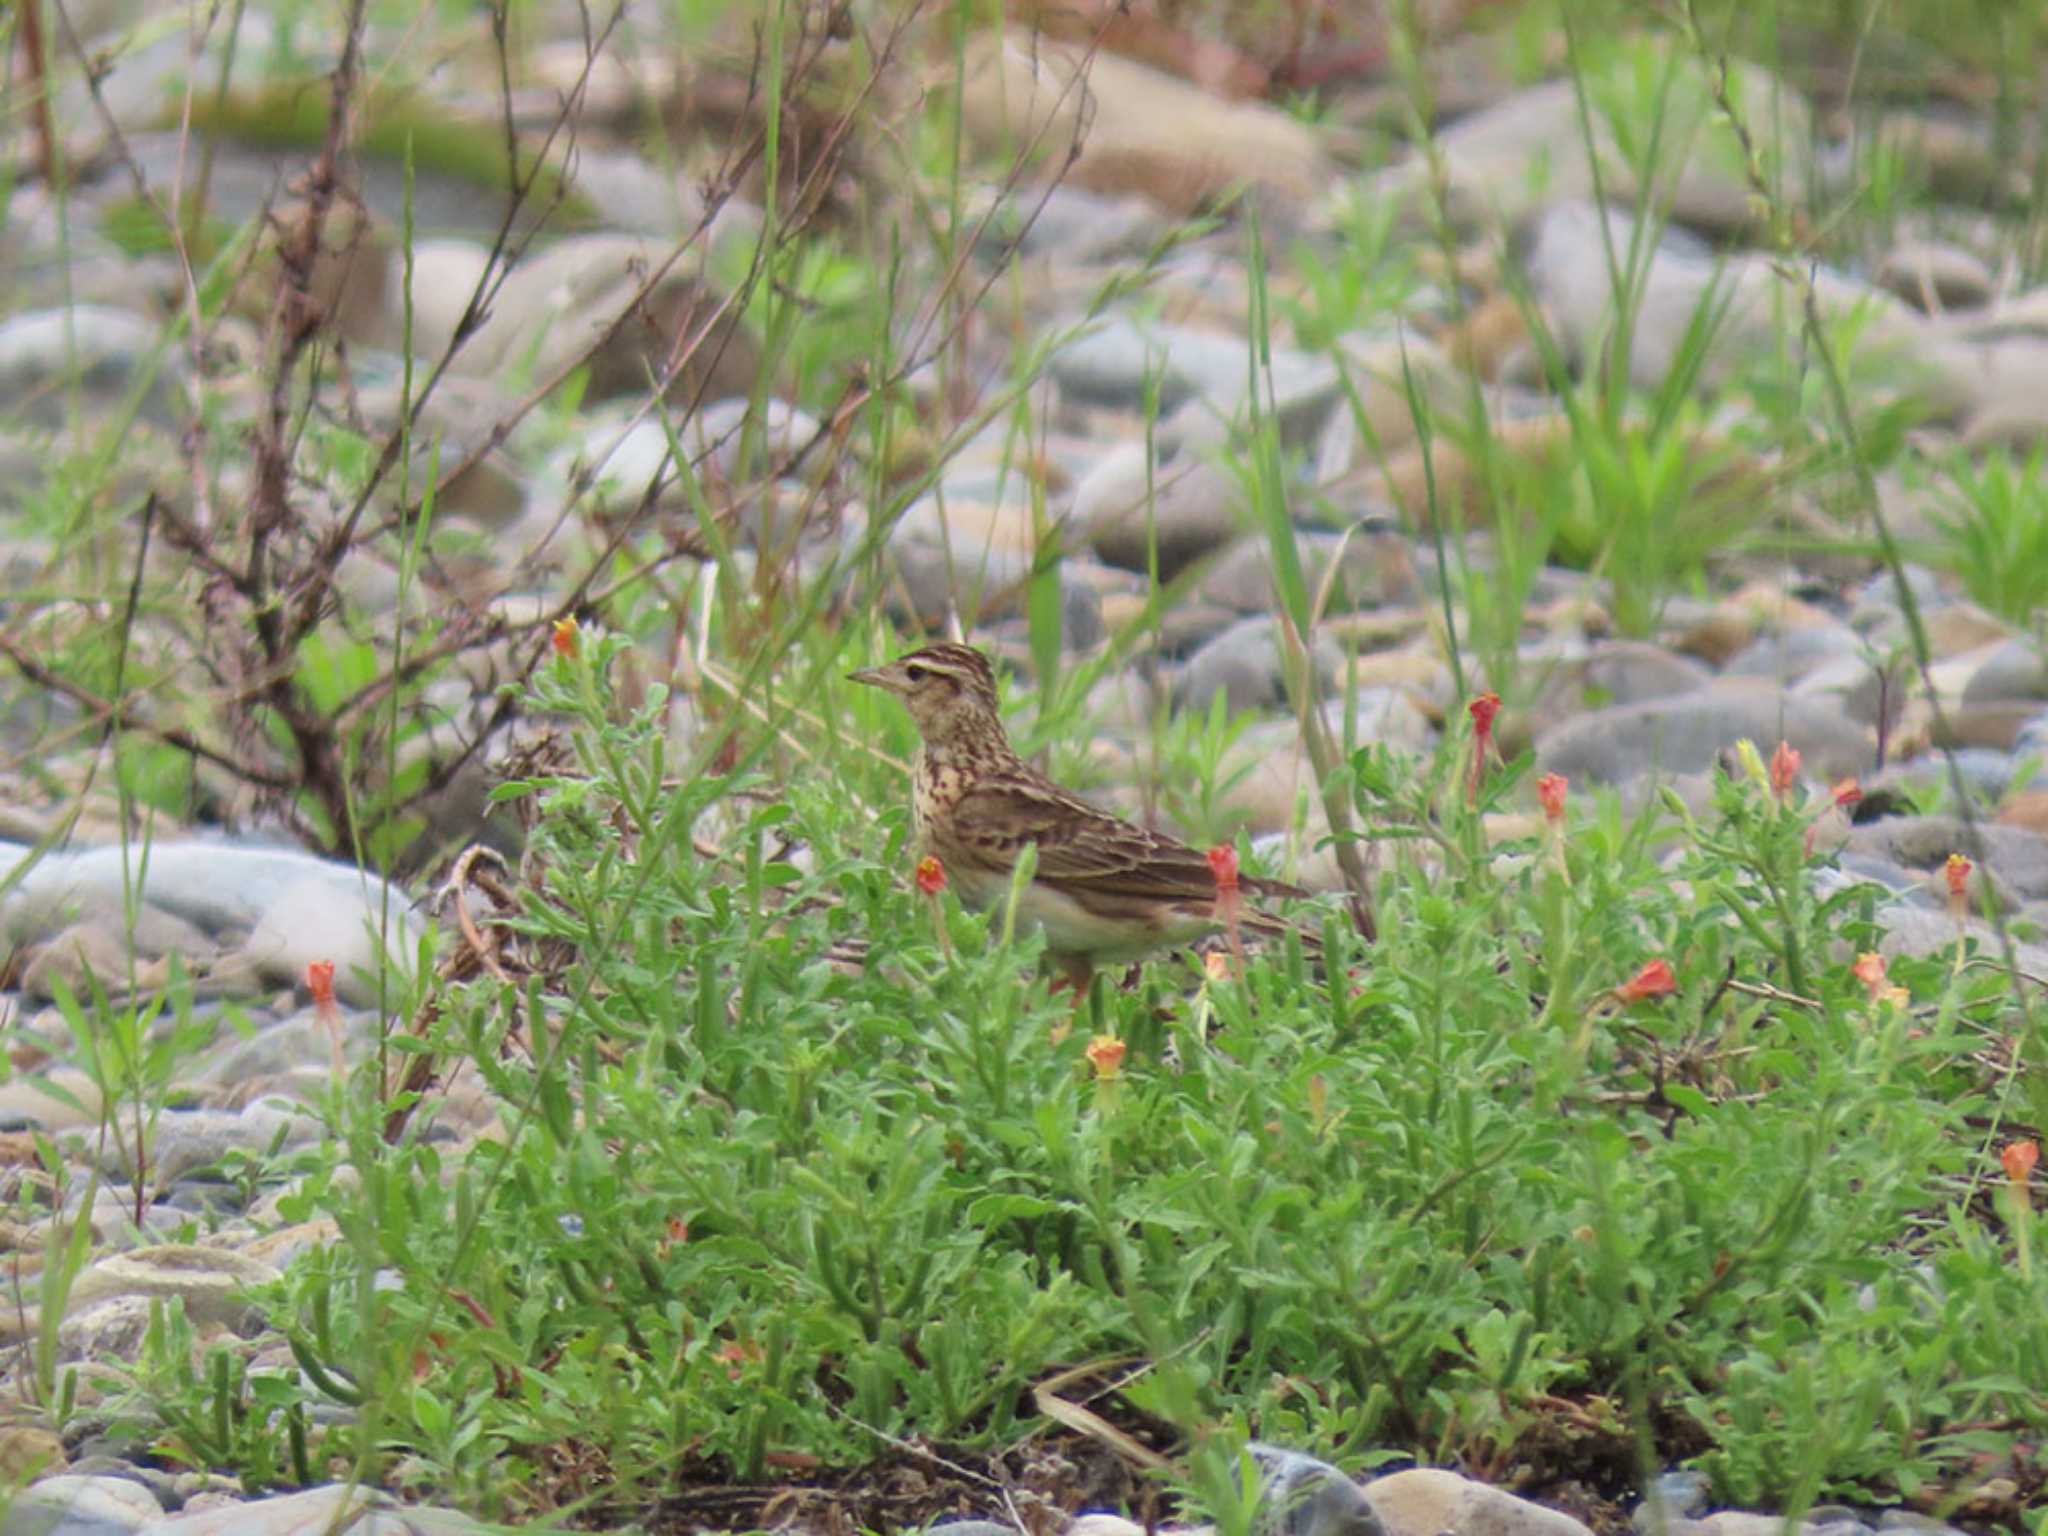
(1994, 527)
(751, 1198)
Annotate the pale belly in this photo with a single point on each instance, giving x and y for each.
(1071, 929)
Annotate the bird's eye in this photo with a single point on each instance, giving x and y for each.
(915, 673)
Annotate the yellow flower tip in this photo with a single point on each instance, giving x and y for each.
(564, 637)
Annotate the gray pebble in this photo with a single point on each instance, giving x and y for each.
(70, 1505)
(1615, 672)
(1121, 361)
(1243, 664)
(2013, 856)
(1076, 226)
(1688, 733)
(1788, 655)
(188, 1139)
(103, 351)
(1875, 610)
(718, 434)
(1185, 507)
(303, 1040)
(1913, 1520)
(1683, 1494)
(2016, 670)
(286, 907)
(1306, 1497)
(1934, 275)
(1385, 716)
(332, 1507)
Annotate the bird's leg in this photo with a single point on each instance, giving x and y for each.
(1077, 973)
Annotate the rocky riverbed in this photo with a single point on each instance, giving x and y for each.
(1758, 612)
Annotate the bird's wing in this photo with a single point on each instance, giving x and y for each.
(1083, 848)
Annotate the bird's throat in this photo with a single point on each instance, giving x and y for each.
(943, 771)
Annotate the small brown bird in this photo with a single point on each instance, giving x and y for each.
(1104, 889)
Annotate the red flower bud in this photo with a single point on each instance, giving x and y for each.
(1784, 769)
(1482, 710)
(1957, 872)
(1223, 865)
(320, 982)
(1655, 979)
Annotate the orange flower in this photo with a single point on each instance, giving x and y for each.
(1784, 769)
(564, 637)
(1655, 979)
(675, 1230)
(1957, 872)
(931, 879)
(1483, 710)
(1832, 820)
(1870, 970)
(320, 982)
(1106, 1054)
(2019, 1158)
(1223, 865)
(737, 1355)
(1550, 790)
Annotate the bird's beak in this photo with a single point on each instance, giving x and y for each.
(874, 677)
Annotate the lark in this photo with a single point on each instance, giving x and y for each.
(1104, 890)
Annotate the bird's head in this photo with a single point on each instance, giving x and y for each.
(948, 689)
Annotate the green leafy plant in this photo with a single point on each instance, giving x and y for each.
(1995, 533)
(770, 1199)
